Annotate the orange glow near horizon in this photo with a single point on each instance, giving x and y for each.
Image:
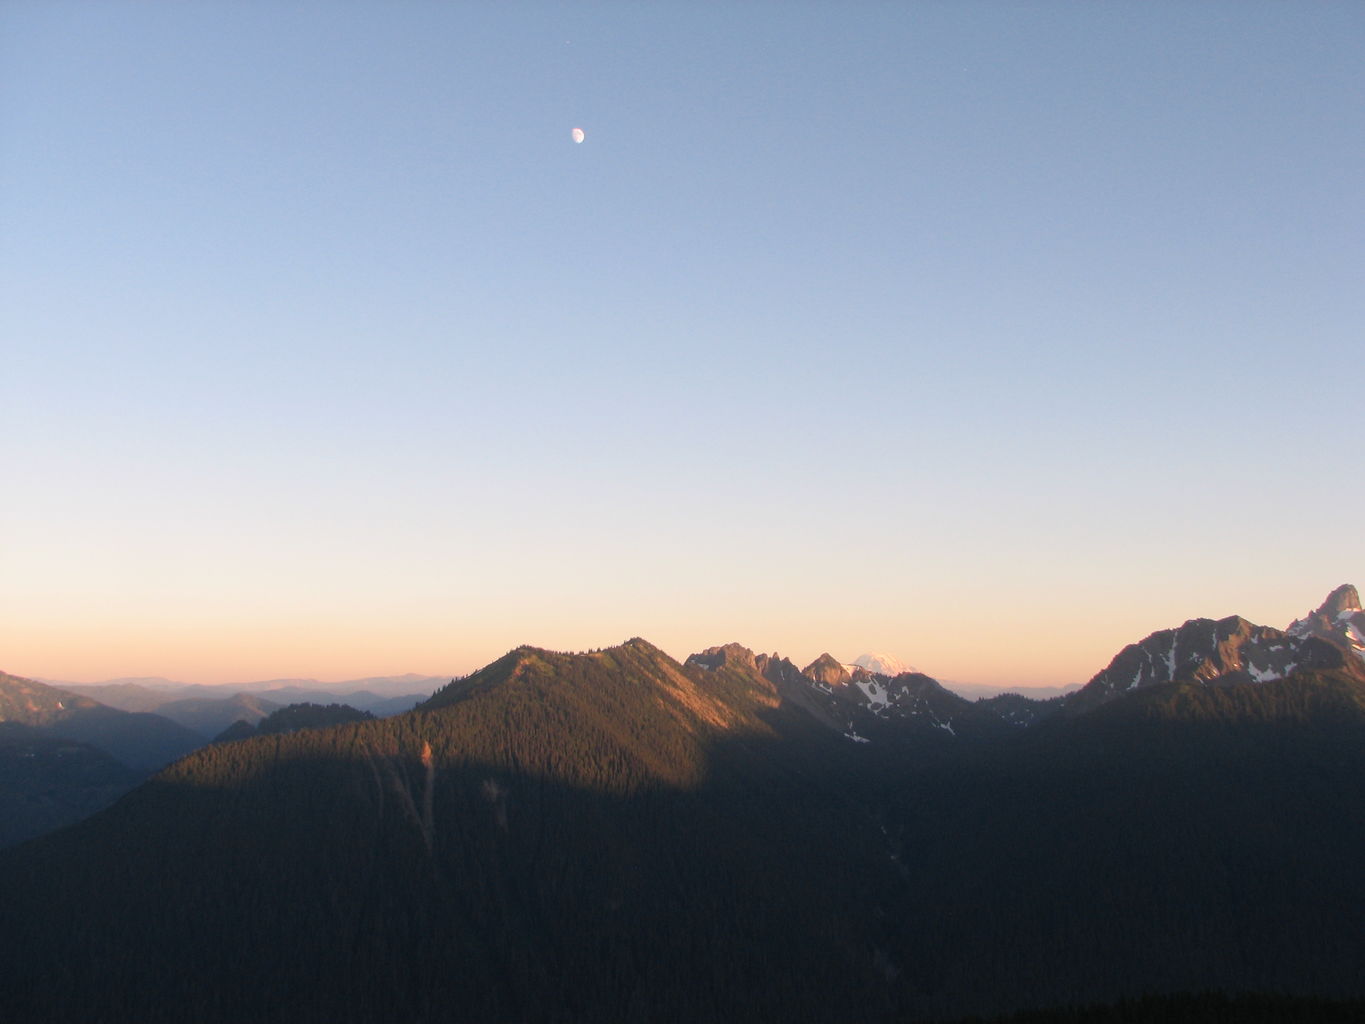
(208, 656)
(1010, 642)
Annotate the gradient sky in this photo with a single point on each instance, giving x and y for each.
(990, 335)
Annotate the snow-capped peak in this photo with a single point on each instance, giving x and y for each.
(883, 664)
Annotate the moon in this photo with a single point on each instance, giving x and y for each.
(577, 135)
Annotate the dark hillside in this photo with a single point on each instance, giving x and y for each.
(614, 836)
(1182, 839)
(46, 782)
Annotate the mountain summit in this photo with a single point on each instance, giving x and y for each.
(1341, 601)
(1233, 650)
(1339, 621)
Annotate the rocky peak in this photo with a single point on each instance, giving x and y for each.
(776, 668)
(825, 669)
(1339, 621)
(732, 655)
(1344, 599)
(1200, 650)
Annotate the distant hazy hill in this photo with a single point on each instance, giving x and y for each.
(363, 700)
(126, 695)
(142, 741)
(209, 717)
(617, 836)
(210, 709)
(293, 718)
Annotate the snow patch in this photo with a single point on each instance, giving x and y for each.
(1266, 675)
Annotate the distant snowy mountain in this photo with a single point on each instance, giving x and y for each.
(883, 664)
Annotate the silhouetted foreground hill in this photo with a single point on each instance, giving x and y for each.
(615, 836)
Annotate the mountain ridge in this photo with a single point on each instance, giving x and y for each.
(614, 834)
(1233, 650)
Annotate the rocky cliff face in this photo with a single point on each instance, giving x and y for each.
(1233, 650)
(827, 671)
(1339, 621)
(867, 706)
(732, 655)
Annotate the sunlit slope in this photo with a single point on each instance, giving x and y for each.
(614, 720)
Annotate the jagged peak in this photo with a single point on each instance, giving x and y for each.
(1344, 599)
(828, 670)
(727, 654)
(1341, 608)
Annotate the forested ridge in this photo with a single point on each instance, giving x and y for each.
(616, 836)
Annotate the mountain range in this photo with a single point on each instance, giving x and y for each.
(614, 835)
(209, 709)
(66, 754)
(140, 740)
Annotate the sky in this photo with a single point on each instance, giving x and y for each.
(993, 336)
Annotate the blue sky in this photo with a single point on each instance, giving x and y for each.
(990, 335)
